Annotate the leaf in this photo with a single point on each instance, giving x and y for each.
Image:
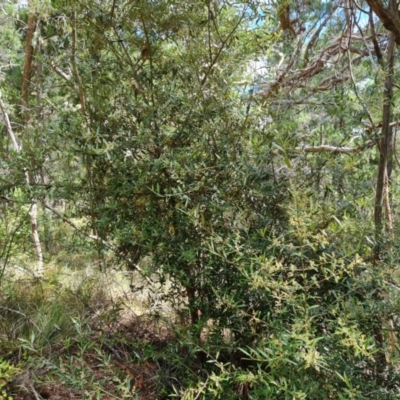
(287, 162)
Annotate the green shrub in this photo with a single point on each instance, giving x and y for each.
(7, 373)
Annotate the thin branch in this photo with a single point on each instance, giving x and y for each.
(17, 146)
(359, 7)
(5, 254)
(316, 34)
(378, 126)
(363, 38)
(137, 87)
(150, 56)
(223, 45)
(395, 148)
(286, 102)
(112, 10)
(63, 75)
(315, 67)
(356, 91)
(209, 30)
(82, 97)
(335, 149)
(373, 37)
(388, 208)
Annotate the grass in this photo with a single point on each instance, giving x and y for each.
(83, 334)
(77, 334)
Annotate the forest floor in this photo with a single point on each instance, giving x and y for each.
(110, 368)
(109, 352)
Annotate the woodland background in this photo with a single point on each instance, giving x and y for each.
(199, 199)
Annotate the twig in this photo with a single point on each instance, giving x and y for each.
(202, 388)
(356, 91)
(63, 75)
(317, 32)
(364, 40)
(211, 66)
(82, 96)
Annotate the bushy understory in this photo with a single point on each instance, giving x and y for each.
(229, 164)
(299, 321)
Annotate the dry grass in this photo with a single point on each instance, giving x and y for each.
(77, 333)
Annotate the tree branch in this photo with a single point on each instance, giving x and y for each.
(316, 34)
(324, 148)
(389, 21)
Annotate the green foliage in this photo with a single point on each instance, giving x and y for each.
(7, 373)
(304, 328)
(148, 126)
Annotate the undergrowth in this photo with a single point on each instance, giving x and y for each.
(306, 332)
(53, 338)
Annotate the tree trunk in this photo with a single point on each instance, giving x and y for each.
(382, 213)
(385, 146)
(36, 240)
(26, 77)
(388, 16)
(25, 114)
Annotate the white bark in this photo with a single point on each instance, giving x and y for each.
(16, 144)
(36, 241)
(33, 212)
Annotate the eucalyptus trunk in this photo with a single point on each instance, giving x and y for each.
(26, 116)
(382, 213)
(383, 218)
